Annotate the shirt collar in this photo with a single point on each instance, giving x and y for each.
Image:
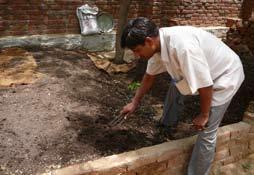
(164, 50)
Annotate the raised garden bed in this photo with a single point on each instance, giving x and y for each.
(63, 117)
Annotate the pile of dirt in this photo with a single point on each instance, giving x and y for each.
(63, 117)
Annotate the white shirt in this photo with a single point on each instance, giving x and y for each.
(195, 59)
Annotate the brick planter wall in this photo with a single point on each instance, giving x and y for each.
(32, 17)
(234, 143)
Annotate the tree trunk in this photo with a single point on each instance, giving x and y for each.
(123, 15)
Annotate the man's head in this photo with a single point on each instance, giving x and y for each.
(141, 36)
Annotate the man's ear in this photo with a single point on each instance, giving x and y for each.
(149, 40)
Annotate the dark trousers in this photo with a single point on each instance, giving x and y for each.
(173, 106)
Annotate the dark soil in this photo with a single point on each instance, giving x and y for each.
(63, 117)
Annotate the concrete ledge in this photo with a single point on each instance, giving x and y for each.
(98, 42)
(234, 142)
(219, 31)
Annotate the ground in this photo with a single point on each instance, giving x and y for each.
(63, 117)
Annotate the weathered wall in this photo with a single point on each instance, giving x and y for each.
(234, 143)
(104, 42)
(29, 17)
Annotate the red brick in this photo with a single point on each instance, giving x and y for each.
(36, 28)
(55, 31)
(19, 12)
(22, 17)
(19, 32)
(34, 12)
(21, 7)
(35, 22)
(3, 1)
(37, 17)
(73, 30)
(19, 2)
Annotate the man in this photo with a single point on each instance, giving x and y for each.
(198, 63)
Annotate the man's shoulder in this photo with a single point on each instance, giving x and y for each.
(180, 36)
(179, 28)
(174, 36)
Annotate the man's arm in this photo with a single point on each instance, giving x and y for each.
(205, 105)
(146, 84)
(205, 99)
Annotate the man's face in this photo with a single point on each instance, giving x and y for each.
(145, 51)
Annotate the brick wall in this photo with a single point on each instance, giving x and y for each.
(29, 17)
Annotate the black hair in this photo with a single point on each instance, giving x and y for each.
(136, 31)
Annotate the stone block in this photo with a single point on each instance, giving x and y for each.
(236, 149)
(226, 170)
(239, 129)
(237, 134)
(242, 140)
(178, 161)
(151, 169)
(161, 166)
(223, 136)
(251, 145)
(228, 160)
(222, 146)
(157, 153)
(170, 155)
(188, 143)
(238, 156)
(172, 149)
(252, 129)
(215, 169)
(222, 154)
(180, 170)
(231, 132)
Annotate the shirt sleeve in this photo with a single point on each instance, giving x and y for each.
(155, 65)
(194, 66)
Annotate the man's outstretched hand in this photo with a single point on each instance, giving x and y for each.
(129, 108)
